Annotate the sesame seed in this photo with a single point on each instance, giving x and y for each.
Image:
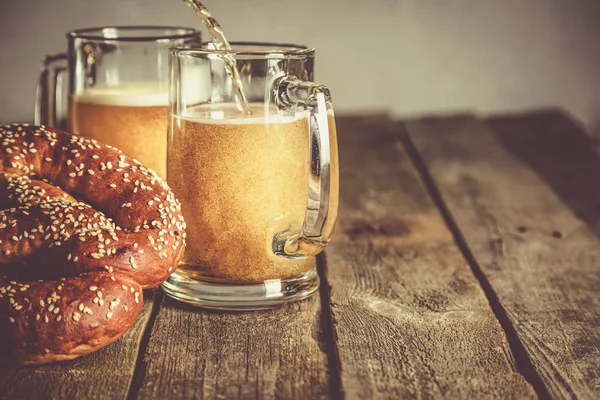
(93, 288)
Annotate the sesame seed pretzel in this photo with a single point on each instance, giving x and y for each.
(83, 229)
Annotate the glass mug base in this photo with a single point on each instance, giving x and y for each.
(241, 297)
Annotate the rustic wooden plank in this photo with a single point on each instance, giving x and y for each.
(411, 319)
(525, 199)
(106, 374)
(275, 354)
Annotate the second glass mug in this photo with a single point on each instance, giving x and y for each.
(259, 190)
(117, 87)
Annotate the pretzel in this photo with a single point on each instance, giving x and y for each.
(83, 229)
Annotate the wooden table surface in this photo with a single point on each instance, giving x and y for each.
(466, 264)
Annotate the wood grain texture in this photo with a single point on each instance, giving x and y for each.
(276, 354)
(105, 374)
(526, 198)
(411, 319)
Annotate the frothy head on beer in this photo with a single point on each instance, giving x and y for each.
(134, 95)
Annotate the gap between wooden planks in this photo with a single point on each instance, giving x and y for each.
(525, 197)
(105, 374)
(410, 318)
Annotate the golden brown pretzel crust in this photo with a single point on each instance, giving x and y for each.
(83, 229)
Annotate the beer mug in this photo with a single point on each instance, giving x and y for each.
(258, 183)
(117, 91)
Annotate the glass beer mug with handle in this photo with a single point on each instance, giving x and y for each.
(257, 174)
(117, 91)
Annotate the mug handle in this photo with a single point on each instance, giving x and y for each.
(323, 179)
(48, 93)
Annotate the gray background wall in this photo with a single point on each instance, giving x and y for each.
(405, 56)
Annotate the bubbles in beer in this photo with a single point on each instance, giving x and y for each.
(240, 179)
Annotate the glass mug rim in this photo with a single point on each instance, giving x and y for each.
(253, 49)
(126, 33)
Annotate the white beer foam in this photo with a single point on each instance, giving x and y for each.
(228, 113)
(135, 95)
